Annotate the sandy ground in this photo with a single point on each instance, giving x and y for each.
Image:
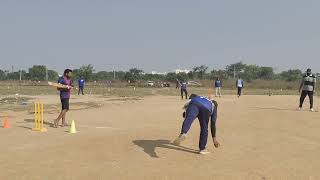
(262, 138)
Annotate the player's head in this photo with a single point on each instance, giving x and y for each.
(67, 73)
(309, 71)
(192, 96)
(218, 78)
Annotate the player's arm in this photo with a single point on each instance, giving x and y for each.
(301, 85)
(213, 127)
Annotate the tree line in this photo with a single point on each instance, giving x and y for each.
(247, 72)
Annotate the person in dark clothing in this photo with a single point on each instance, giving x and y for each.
(184, 90)
(81, 84)
(205, 110)
(65, 94)
(218, 86)
(240, 85)
(177, 84)
(307, 87)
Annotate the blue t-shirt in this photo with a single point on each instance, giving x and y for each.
(81, 82)
(65, 93)
(204, 102)
(218, 83)
(184, 86)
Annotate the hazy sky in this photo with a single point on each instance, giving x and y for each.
(159, 35)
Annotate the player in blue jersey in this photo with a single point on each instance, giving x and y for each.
(218, 86)
(205, 110)
(184, 89)
(81, 84)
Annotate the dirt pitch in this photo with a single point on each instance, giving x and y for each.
(262, 137)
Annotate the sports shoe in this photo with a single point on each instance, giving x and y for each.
(312, 110)
(204, 152)
(299, 109)
(180, 139)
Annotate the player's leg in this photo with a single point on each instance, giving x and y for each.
(216, 92)
(181, 93)
(204, 116)
(191, 115)
(66, 109)
(219, 90)
(186, 93)
(310, 94)
(302, 97)
(82, 89)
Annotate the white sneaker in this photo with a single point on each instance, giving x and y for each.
(204, 152)
(180, 139)
(312, 110)
(299, 109)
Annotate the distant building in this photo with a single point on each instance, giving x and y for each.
(182, 71)
(158, 73)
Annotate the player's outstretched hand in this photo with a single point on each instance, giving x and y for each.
(216, 143)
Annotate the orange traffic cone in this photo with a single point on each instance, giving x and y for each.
(6, 123)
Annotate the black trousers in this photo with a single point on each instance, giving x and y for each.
(80, 90)
(304, 95)
(184, 91)
(239, 91)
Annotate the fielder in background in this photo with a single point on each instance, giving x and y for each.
(81, 84)
(307, 87)
(184, 90)
(218, 86)
(64, 97)
(240, 85)
(205, 110)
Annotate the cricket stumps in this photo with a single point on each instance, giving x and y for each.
(39, 117)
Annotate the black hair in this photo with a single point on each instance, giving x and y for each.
(215, 103)
(192, 96)
(67, 71)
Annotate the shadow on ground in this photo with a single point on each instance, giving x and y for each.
(32, 121)
(274, 108)
(149, 146)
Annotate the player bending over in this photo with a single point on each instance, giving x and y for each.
(205, 110)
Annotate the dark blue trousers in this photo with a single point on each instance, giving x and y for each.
(184, 92)
(197, 111)
(81, 90)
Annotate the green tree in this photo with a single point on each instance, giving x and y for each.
(251, 72)
(52, 75)
(133, 75)
(291, 75)
(235, 69)
(266, 73)
(85, 72)
(200, 71)
(37, 73)
(222, 74)
(2, 75)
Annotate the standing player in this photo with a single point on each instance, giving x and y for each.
(218, 85)
(240, 85)
(81, 83)
(184, 89)
(64, 96)
(205, 110)
(307, 87)
(177, 84)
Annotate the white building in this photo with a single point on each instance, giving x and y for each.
(158, 73)
(182, 71)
